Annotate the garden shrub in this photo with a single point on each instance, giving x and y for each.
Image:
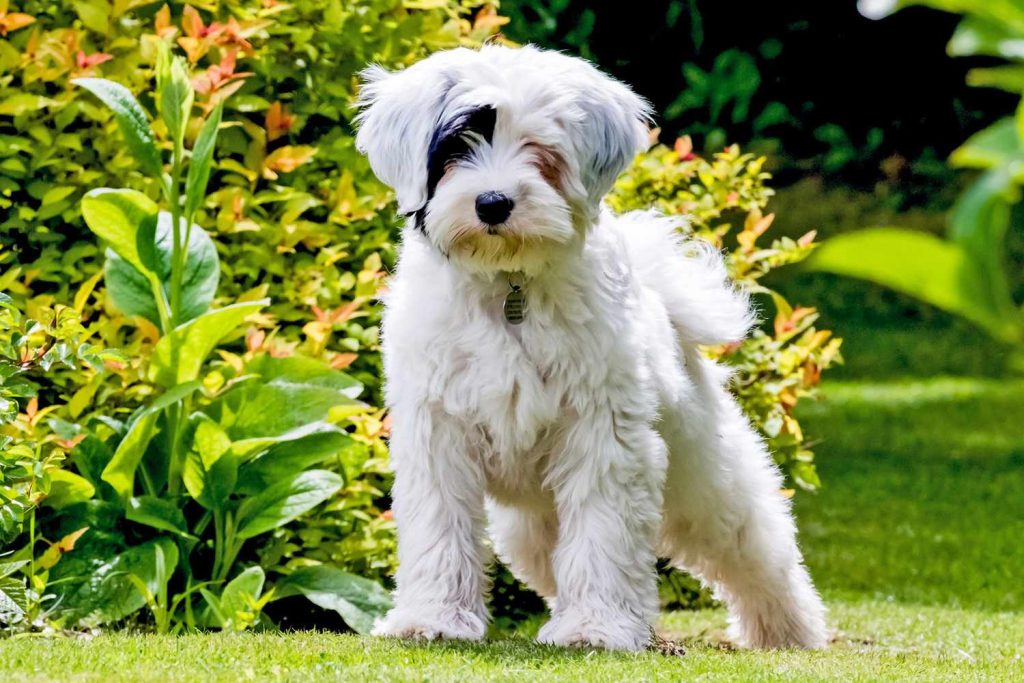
(295, 216)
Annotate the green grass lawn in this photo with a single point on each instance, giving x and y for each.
(915, 541)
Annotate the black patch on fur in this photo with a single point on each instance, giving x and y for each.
(452, 141)
(419, 215)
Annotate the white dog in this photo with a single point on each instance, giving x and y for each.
(544, 370)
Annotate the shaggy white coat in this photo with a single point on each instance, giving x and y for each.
(594, 436)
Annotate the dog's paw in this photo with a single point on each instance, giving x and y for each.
(447, 623)
(611, 632)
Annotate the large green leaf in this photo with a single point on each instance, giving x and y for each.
(179, 356)
(108, 594)
(291, 452)
(978, 222)
(211, 468)
(288, 394)
(158, 513)
(199, 166)
(285, 500)
(132, 293)
(359, 601)
(999, 145)
(127, 221)
(67, 488)
(938, 272)
(120, 471)
(156, 565)
(132, 120)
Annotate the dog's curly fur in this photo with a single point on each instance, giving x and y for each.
(594, 436)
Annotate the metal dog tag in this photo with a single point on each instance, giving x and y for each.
(515, 301)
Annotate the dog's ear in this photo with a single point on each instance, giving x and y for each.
(398, 113)
(611, 130)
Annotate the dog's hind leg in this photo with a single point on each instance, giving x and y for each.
(524, 539)
(727, 522)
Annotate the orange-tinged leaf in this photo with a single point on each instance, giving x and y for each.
(343, 360)
(287, 159)
(14, 21)
(191, 23)
(278, 121)
(812, 375)
(56, 550)
(488, 19)
(31, 408)
(254, 339)
(684, 148)
(162, 22)
(85, 61)
(788, 323)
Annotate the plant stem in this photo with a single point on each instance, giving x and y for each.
(218, 543)
(162, 307)
(233, 548)
(177, 247)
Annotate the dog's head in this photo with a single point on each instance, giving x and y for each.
(499, 154)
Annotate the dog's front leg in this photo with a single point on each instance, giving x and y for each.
(438, 507)
(607, 486)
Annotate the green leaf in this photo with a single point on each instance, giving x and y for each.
(8, 568)
(290, 393)
(130, 289)
(109, 595)
(240, 594)
(126, 220)
(24, 103)
(179, 356)
(359, 601)
(1008, 77)
(999, 145)
(213, 602)
(67, 488)
(120, 471)
(285, 500)
(175, 93)
(131, 118)
(211, 469)
(938, 272)
(95, 16)
(978, 222)
(13, 600)
(158, 513)
(294, 451)
(155, 565)
(202, 156)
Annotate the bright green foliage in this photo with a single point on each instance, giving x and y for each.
(37, 358)
(966, 273)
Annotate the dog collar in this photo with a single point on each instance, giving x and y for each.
(515, 300)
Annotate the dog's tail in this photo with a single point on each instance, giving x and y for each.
(691, 278)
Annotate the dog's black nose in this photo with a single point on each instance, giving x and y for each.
(493, 207)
